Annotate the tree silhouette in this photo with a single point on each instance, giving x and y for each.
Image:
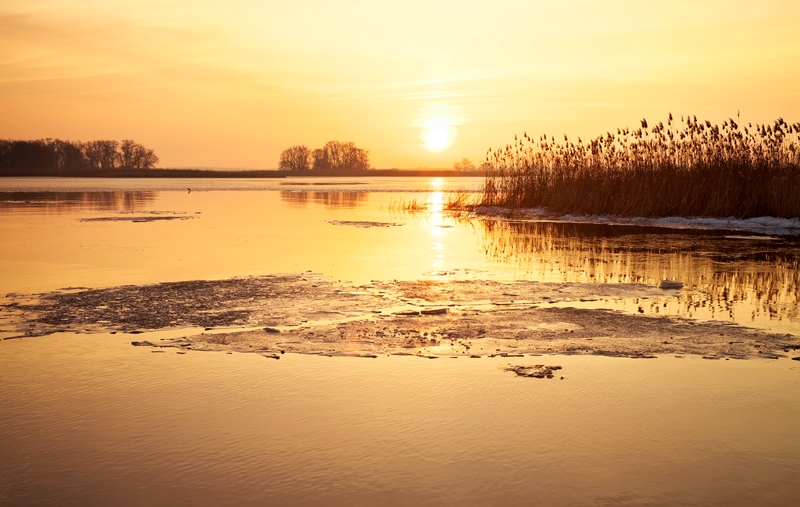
(295, 158)
(55, 156)
(135, 156)
(337, 156)
(101, 154)
(464, 165)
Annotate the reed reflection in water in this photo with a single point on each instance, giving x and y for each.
(63, 202)
(739, 278)
(300, 199)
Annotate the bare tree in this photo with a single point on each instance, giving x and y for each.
(102, 154)
(109, 155)
(135, 156)
(464, 165)
(69, 155)
(338, 156)
(128, 153)
(319, 160)
(57, 156)
(147, 159)
(295, 158)
(92, 153)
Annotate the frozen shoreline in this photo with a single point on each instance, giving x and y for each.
(759, 225)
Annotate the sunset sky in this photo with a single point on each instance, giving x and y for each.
(418, 83)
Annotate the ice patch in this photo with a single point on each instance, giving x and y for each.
(760, 225)
(362, 224)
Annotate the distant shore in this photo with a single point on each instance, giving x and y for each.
(217, 173)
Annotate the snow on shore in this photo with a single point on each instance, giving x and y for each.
(759, 225)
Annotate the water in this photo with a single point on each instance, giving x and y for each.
(751, 280)
(90, 233)
(90, 420)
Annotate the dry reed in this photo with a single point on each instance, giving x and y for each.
(459, 201)
(696, 169)
(408, 206)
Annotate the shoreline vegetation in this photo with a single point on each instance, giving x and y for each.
(128, 159)
(57, 157)
(694, 169)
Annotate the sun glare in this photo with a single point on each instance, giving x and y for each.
(438, 123)
(437, 139)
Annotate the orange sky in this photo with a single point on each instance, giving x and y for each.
(231, 84)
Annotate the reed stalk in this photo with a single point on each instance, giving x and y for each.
(691, 169)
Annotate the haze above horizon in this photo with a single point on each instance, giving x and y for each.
(418, 84)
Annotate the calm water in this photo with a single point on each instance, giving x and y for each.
(88, 232)
(90, 420)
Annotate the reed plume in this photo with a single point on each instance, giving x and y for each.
(697, 169)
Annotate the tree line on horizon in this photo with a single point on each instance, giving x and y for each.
(59, 156)
(334, 156)
(466, 166)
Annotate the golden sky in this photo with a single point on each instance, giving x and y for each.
(419, 83)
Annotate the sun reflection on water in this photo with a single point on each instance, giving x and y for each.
(435, 205)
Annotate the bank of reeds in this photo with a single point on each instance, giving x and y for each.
(689, 169)
(459, 201)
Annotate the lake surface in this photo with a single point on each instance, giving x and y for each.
(87, 419)
(90, 420)
(97, 233)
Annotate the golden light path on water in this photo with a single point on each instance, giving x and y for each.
(435, 223)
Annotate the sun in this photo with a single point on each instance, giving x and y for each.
(438, 126)
(437, 138)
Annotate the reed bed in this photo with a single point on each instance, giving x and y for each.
(687, 169)
(459, 201)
